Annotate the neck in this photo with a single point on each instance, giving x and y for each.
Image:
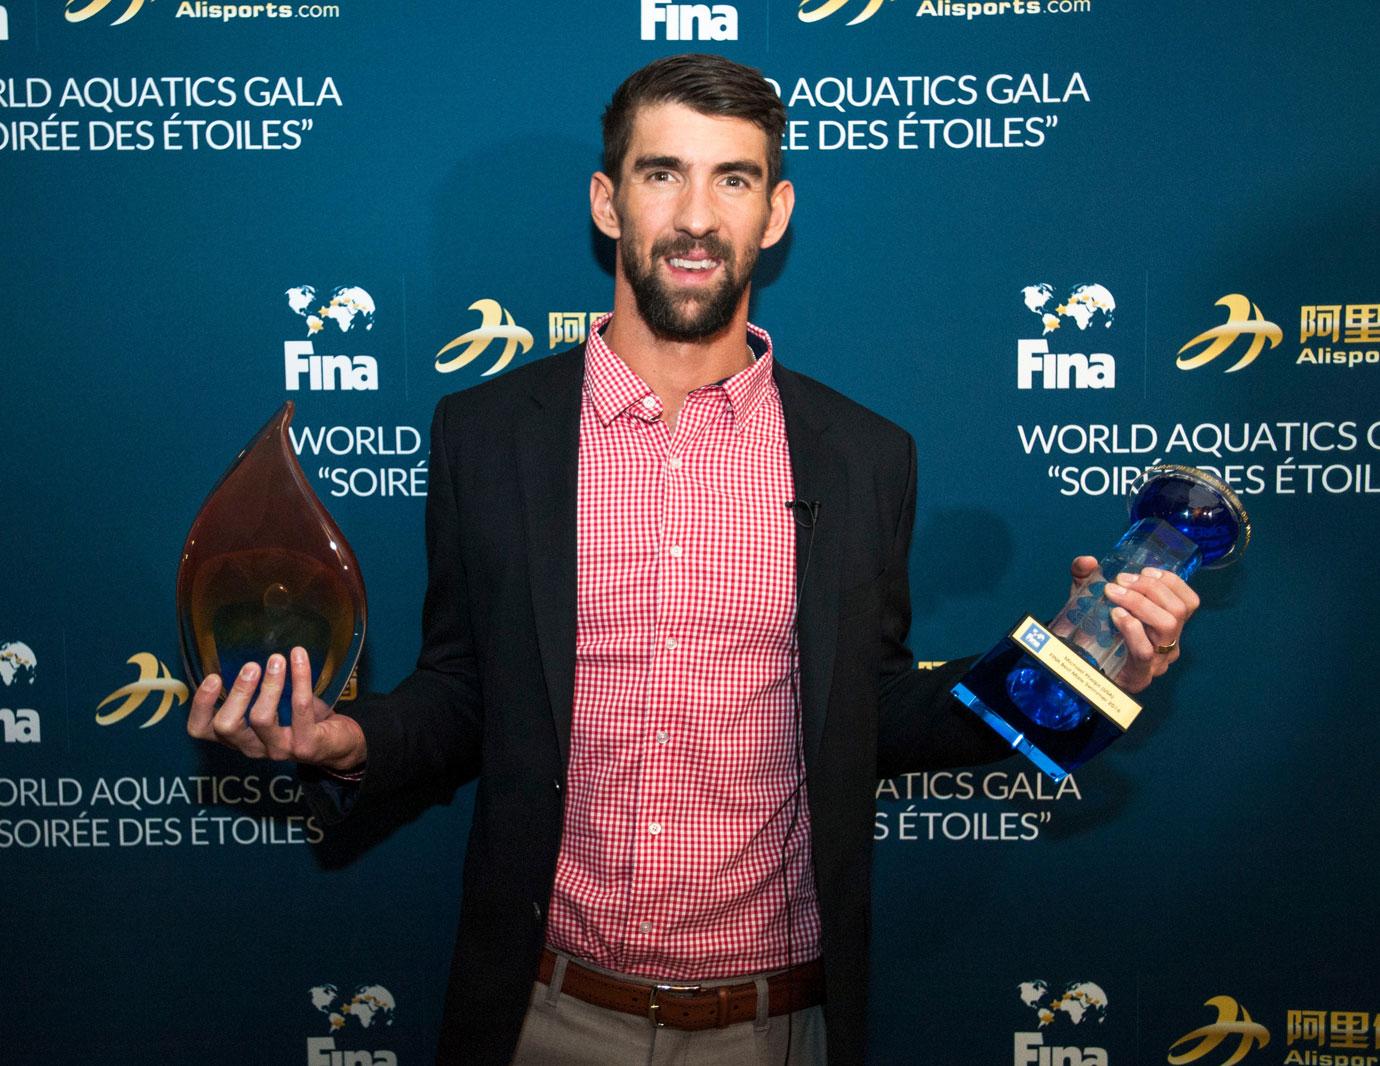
(673, 368)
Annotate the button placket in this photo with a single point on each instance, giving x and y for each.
(657, 773)
(668, 663)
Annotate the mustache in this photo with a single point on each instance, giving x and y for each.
(683, 247)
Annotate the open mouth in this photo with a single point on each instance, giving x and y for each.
(699, 266)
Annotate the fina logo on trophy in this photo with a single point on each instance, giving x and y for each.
(1049, 690)
(265, 569)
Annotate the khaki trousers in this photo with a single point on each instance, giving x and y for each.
(560, 1030)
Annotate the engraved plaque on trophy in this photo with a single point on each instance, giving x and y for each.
(1050, 690)
(264, 569)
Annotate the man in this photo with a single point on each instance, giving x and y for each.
(665, 627)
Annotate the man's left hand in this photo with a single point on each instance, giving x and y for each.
(1150, 609)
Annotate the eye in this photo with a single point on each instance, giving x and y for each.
(735, 181)
(660, 176)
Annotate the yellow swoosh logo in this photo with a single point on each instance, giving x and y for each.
(154, 676)
(830, 6)
(95, 7)
(1243, 317)
(496, 324)
(1252, 1034)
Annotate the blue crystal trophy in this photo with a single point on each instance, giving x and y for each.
(1050, 690)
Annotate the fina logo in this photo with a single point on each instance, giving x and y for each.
(1242, 317)
(4, 24)
(689, 22)
(496, 324)
(351, 310)
(154, 676)
(18, 666)
(1232, 1020)
(370, 1008)
(1085, 306)
(1034, 638)
(1080, 1003)
(78, 12)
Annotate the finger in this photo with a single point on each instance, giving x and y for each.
(263, 716)
(1082, 567)
(1140, 651)
(1160, 638)
(203, 706)
(228, 723)
(304, 731)
(1139, 645)
(1125, 593)
(1175, 584)
(1154, 588)
(1084, 570)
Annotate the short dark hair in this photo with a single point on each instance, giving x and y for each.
(709, 84)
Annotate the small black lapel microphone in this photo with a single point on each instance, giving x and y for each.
(806, 512)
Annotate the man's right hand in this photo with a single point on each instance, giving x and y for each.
(318, 736)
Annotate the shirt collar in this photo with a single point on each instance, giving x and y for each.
(613, 387)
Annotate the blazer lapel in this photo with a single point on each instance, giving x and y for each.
(548, 459)
(819, 479)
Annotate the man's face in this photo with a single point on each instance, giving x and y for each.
(692, 211)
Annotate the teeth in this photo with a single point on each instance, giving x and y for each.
(693, 264)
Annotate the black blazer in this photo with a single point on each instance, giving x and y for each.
(492, 692)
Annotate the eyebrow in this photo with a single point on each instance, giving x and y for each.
(659, 162)
(671, 162)
(740, 166)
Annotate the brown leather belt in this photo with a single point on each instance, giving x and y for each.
(689, 1006)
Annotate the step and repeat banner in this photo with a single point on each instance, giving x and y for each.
(1057, 240)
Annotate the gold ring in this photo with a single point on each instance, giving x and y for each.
(1165, 649)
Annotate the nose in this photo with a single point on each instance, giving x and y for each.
(696, 211)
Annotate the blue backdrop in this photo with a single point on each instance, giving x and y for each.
(988, 193)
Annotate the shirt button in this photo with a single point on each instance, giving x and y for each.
(674, 462)
(644, 927)
(654, 829)
(677, 551)
(649, 402)
(662, 736)
(672, 644)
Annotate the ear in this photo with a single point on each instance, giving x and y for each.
(601, 206)
(782, 201)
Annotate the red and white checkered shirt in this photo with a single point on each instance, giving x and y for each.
(682, 803)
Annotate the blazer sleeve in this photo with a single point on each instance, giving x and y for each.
(920, 725)
(430, 727)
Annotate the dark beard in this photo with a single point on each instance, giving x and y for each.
(687, 317)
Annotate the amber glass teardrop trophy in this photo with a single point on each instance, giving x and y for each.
(1050, 691)
(265, 569)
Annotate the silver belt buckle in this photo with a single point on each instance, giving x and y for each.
(654, 1008)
